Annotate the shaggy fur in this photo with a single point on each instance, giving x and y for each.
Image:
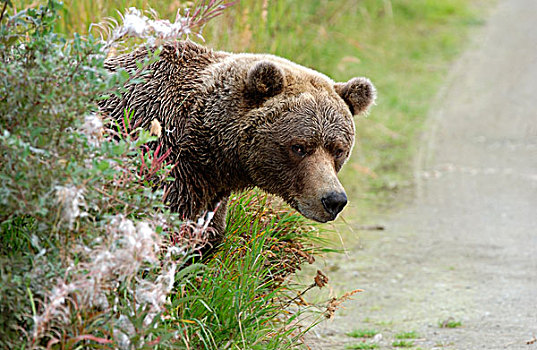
(235, 121)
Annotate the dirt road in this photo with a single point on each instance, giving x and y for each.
(466, 249)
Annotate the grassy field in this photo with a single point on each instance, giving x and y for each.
(404, 46)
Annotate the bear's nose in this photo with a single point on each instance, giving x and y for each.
(334, 202)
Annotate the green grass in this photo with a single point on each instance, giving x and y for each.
(407, 335)
(403, 344)
(450, 323)
(361, 346)
(384, 324)
(237, 298)
(363, 333)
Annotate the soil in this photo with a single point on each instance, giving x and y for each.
(465, 250)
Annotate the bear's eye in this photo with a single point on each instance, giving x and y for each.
(299, 150)
(339, 153)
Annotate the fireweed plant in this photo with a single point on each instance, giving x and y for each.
(90, 257)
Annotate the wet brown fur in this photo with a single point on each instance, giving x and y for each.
(233, 121)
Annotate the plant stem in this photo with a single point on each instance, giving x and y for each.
(3, 11)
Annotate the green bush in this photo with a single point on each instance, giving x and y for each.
(74, 195)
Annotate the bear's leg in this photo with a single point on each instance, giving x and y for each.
(217, 226)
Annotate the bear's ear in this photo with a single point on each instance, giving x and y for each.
(265, 79)
(358, 93)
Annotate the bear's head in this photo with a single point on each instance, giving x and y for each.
(300, 132)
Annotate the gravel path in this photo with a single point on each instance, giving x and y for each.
(466, 249)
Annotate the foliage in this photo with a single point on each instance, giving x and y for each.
(363, 333)
(362, 346)
(403, 344)
(450, 322)
(236, 299)
(89, 255)
(407, 335)
(78, 218)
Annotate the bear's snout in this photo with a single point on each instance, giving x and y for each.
(334, 202)
(322, 196)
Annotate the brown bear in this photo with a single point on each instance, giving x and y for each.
(235, 121)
